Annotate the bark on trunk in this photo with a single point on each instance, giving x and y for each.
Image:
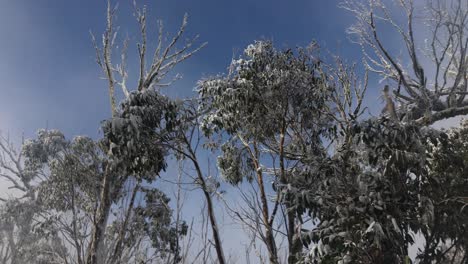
(294, 245)
(100, 224)
(118, 246)
(214, 227)
(270, 243)
(211, 213)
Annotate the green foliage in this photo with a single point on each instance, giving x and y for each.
(267, 93)
(234, 165)
(369, 201)
(67, 177)
(131, 139)
(263, 88)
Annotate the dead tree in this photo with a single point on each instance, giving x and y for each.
(427, 91)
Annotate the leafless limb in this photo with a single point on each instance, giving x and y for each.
(428, 88)
(164, 57)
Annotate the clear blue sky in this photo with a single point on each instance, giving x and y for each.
(48, 75)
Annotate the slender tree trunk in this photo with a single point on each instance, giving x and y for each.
(100, 223)
(178, 211)
(118, 246)
(211, 213)
(214, 227)
(75, 228)
(270, 243)
(294, 244)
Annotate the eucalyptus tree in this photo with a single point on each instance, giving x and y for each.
(23, 238)
(141, 120)
(365, 195)
(431, 87)
(69, 195)
(58, 211)
(270, 108)
(446, 187)
(396, 180)
(384, 181)
(178, 132)
(369, 201)
(95, 198)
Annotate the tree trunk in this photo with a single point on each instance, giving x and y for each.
(294, 244)
(211, 213)
(118, 246)
(214, 227)
(100, 223)
(270, 239)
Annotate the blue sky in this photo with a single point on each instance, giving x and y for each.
(48, 75)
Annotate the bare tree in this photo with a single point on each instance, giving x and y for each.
(434, 84)
(12, 168)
